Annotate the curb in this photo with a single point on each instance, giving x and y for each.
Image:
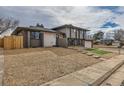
(106, 75)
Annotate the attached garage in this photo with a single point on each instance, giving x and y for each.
(49, 39)
(36, 36)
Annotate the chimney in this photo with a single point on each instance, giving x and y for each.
(39, 25)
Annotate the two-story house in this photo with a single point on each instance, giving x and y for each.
(75, 35)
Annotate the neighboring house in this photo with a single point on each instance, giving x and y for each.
(36, 36)
(74, 35)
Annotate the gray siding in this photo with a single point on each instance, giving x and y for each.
(66, 31)
(81, 34)
(73, 33)
(24, 34)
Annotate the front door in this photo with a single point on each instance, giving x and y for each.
(36, 39)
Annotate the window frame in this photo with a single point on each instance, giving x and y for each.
(35, 35)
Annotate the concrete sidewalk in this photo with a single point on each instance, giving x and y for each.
(116, 78)
(1, 65)
(92, 75)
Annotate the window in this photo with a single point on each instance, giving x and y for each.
(35, 35)
(82, 32)
(74, 30)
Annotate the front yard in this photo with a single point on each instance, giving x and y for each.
(36, 66)
(98, 51)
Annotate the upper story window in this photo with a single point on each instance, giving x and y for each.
(74, 30)
(35, 35)
(82, 32)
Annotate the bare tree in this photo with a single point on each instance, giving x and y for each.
(7, 23)
(119, 35)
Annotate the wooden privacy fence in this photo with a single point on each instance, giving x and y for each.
(13, 42)
(1, 42)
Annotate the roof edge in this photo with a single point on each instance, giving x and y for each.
(69, 25)
(31, 29)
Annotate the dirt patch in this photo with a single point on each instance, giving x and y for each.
(39, 65)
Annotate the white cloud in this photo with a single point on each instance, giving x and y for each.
(120, 20)
(121, 9)
(88, 17)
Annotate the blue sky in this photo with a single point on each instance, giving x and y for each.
(94, 18)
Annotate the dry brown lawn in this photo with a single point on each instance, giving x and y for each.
(36, 66)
